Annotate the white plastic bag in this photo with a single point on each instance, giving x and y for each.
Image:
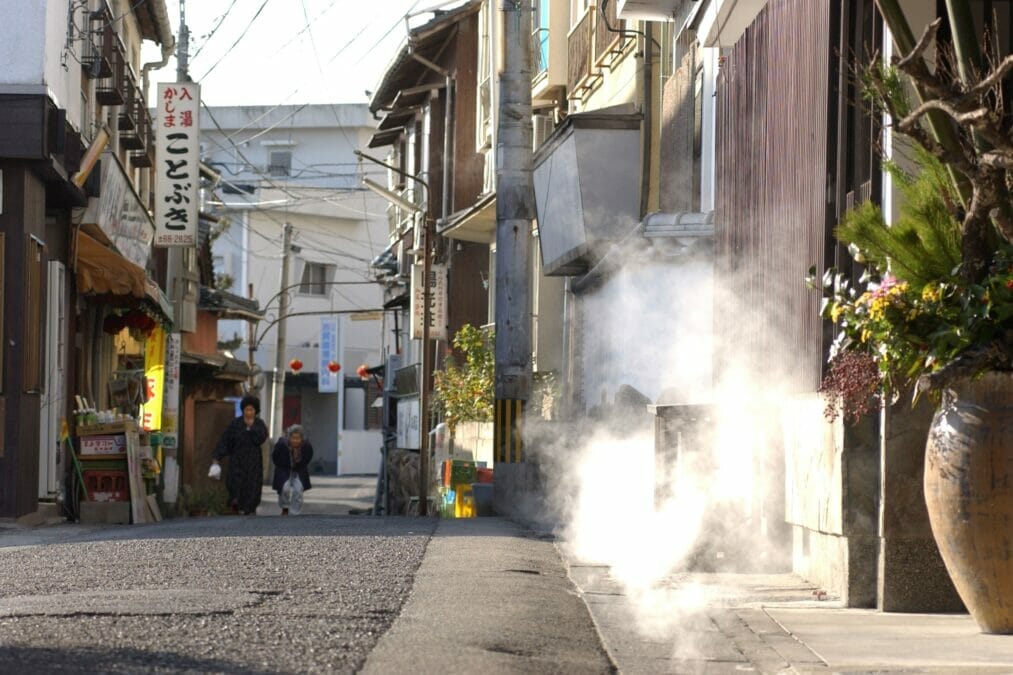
(291, 495)
(215, 472)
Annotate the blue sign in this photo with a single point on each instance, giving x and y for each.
(330, 351)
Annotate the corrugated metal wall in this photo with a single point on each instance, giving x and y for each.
(774, 128)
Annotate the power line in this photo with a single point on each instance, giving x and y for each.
(389, 31)
(273, 126)
(238, 39)
(210, 35)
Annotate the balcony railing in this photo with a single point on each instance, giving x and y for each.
(96, 57)
(110, 90)
(592, 47)
(539, 52)
(128, 119)
(608, 44)
(144, 154)
(578, 48)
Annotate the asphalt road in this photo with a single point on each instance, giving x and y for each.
(233, 594)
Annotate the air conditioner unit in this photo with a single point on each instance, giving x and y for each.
(543, 126)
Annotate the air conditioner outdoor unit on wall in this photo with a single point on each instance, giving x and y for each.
(543, 125)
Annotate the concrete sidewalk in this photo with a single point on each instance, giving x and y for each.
(730, 623)
(490, 596)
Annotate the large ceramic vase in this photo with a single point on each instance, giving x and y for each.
(969, 494)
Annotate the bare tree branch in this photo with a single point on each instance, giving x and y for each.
(935, 104)
(927, 39)
(992, 79)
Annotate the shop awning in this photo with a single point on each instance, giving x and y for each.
(103, 271)
(477, 223)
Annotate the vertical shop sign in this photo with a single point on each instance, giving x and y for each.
(329, 351)
(437, 302)
(170, 406)
(177, 164)
(154, 379)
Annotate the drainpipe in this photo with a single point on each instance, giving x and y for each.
(447, 116)
(648, 132)
(168, 41)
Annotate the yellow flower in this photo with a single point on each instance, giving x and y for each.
(863, 298)
(930, 293)
(877, 310)
(835, 312)
(866, 334)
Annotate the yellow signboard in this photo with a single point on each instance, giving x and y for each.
(154, 379)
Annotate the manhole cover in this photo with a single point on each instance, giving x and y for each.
(135, 602)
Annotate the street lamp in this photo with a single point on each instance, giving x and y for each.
(427, 359)
(395, 199)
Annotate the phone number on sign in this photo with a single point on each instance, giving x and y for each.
(178, 239)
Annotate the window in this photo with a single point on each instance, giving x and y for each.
(314, 278)
(34, 302)
(485, 93)
(280, 164)
(540, 37)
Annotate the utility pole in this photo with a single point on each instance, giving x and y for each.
(515, 210)
(427, 360)
(183, 46)
(278, 393)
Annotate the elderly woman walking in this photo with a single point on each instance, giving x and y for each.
(292, 455)
(241, 443)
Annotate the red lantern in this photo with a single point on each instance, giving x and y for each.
(295, 365)
(362, 371)
(333, 366)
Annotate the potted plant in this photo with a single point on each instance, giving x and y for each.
(934, 306)
(464, 390)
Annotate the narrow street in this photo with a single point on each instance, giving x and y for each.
(313, 593)
(232, 594)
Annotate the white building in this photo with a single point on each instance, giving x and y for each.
(295, 164)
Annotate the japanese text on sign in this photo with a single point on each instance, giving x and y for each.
(437, 302)
(177, 164)
(154, 379)
(330, 350)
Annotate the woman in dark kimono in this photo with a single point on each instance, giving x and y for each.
(241, 444)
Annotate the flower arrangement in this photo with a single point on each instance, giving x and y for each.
(898, 332)
(930, 297)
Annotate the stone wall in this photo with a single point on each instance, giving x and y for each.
(831, 500)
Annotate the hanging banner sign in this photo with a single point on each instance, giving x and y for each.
(330, 350)
(177, 164)
(154, 379)
(437, 302)
(170, 407)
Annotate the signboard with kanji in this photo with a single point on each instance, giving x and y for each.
(330, 352)
(177, 163)
(170, 404)
(437, 303)
(154, 379)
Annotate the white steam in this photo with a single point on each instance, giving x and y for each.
(709, 500)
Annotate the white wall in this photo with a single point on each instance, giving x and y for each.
(33, 34)
(335, 221)
(21, 51)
